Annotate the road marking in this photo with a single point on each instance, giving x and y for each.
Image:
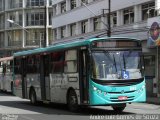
(25, 117)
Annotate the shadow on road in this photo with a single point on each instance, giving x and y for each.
(53, 109)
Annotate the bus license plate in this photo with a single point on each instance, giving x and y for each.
(122, 98)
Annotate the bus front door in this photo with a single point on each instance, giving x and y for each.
(83, 76)
(44, 77)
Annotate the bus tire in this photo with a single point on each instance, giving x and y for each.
(33, 99)
(12, 88)
(119, 109)
(72, 101)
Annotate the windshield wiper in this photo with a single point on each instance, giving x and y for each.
(112, 60)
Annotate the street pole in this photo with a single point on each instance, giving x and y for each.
(109, 19)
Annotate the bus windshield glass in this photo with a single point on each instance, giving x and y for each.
(117, 65)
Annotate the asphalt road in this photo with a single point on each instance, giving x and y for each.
(15, 108)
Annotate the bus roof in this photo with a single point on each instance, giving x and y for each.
(68, 44)
(6, 58)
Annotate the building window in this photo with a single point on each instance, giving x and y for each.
(54, 34)
(63, 7)
(35, 3)
(63, 32)
(84, 26)
(2, 21)
(34, 19)
(114, 19)
(73, 29)
(35, 37)
(50, 18)
(96, 23)
(54, 10)
(16, 17)
(50, 36)
(14, 4)
(14, 38)
(148, 11)
(73, 4)
(50, 2)
(1, 40)
(128, 16)
(2, 5)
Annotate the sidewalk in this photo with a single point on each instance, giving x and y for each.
(153, 100)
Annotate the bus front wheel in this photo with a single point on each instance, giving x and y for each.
(72, 101)
(119, 109)
(33, 99)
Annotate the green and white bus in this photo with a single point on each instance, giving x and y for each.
(91, 72)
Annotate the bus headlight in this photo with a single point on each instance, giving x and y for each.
(99, 91)
(94, 88)
(143, 86)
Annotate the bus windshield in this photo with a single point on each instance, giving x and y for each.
(117, 65)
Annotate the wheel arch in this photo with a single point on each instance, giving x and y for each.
(72, 89)
(30, 90)
(12, 87)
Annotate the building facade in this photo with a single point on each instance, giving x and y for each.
(74, 19)
(24, 24)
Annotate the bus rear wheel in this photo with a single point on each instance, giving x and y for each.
(33, 99)
(72, 101)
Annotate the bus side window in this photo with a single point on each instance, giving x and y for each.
(57, 62)
(17, 66)
(71, 61)
(8, 67)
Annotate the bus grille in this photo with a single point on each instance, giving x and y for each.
(115, 99)
(121, 92)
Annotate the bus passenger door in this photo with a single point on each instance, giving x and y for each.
(24, 80)
(83, 72)
(44, 77)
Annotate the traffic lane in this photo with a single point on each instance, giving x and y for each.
(24, 107)
(15, 105)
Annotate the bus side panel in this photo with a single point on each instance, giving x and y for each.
(60, 83)
(1, 81)
(7, 82)
(33, 80)
(57, 93)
